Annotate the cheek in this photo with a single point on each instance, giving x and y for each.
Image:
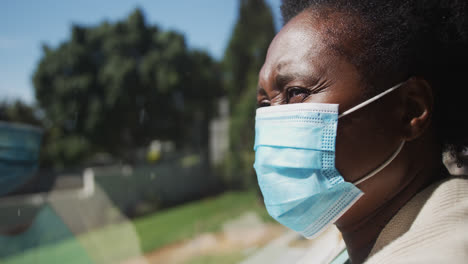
(364, 142)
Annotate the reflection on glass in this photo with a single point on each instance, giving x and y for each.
(53, 225)
(141, 150)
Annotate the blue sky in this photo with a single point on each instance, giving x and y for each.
(26, 24)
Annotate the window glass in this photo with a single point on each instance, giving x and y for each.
(126, 132)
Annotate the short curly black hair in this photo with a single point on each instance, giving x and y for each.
(401, 38)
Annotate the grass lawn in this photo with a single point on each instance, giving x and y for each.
(154, 231)
(186, 221)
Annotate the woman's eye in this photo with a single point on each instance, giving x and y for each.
(296, 94)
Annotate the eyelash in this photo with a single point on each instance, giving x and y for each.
(300, 90)
(307, 92)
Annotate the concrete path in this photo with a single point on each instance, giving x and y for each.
(293, 248)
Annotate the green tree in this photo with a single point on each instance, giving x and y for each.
(242, 61)
(116, 86)
(19, 112)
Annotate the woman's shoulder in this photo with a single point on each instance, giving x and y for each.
(445, 207)
(431, 228)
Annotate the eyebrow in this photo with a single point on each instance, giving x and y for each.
(283, 79)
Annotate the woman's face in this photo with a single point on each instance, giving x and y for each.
(300, 67)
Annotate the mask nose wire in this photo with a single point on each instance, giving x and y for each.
(352, 109)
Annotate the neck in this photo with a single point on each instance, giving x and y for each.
(361, 236)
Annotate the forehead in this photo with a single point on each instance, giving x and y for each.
(304, 54)
(302, 46)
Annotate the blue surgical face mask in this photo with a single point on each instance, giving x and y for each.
(295, 165)
(19, 152)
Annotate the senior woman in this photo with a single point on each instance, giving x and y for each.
(357, 102)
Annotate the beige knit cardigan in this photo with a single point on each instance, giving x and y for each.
(431, 228)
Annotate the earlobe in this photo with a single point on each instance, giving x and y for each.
(418, 106)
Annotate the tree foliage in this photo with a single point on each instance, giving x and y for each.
(242, 61)
(116, 86)
(19, 112)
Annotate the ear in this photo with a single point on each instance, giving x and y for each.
(418, 107)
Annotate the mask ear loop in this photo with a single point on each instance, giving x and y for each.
(393, 156)
(352, 109)
(381, 167)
